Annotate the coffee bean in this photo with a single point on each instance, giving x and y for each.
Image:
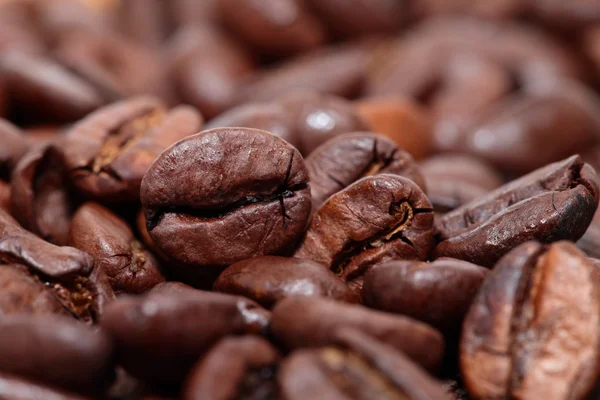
(40, 196)
(269, 279)
(241, 368)
(310, 321)
(14, 146)
(590, 241)
(359, 367)
(438, 293)
(107, 238)
(533, 329)
(455, 179)
(67, 354)
(349, 157)
(108, 152)
(376, 219)
(553, 203)
(4, 195)
(160, 335)
(274, 26)
(81, 288)
(16, 387)
(228, 195)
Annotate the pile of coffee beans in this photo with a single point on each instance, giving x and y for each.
(299, 199)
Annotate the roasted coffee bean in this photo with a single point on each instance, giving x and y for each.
(226, 195)
(438, 293)
(310, 321)
(590, 241)
(56, 351)
(107, 238)
(533, 331)
(269, 279)
(359, 367)
(272, 117)
(108, 152)
(552, 203)
(274, 26)
(41, 200)
(39, 135)
(14, 146)
(401, 120)
(208, 68)
(374, 220)
(338, 70)
(455, 179)
(24, 293)
(360, 17)
(160, 335)
(4, 195)
(347, 158)
(81, 288)
(43, 88)
(240, 368)
(572, 14)
(17, 388)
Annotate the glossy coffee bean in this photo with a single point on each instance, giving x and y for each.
(403, 121)
(357, 367)
(273, 26)
(161, 334)
(82, 289)
(455, 179)
(109, 240)
(374, 220)
(269, 279)
(57, 351)
(533, 329)
(552, 203)
(438, 293)
(16, 387)
(241, 367)
(40, 195)
(14, 146)
(349, 157)
(226, 195)
(108, 152)
(309, 322)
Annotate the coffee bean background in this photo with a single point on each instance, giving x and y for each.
(299, 199)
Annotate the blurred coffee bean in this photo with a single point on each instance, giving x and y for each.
(311, 322)
(539, 307)
(553, 203)
(107, 238)
(5, 195)
(18, 388)
(269, 279)
(14, 146)
(374, 220)
(438, 293)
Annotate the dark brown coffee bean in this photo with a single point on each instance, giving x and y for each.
(14, 146)
(107, 238)
(41, 200)
(272, 117)
(374, 220)
(347, 158)
(227, 195)
(108, 152)
(273, 26)
(403, 121)
(359, 368)
(81, 288)
(533, 331)
(56, 351)
(24, 293)
(17, 388)
(337, 70)
(240, 368)
(269, 279)
(552, 203)
(361, 17)
(160, 335)
(455, 179)
(311, 321)
(43, 88)
(4, 195)
(438, 293)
